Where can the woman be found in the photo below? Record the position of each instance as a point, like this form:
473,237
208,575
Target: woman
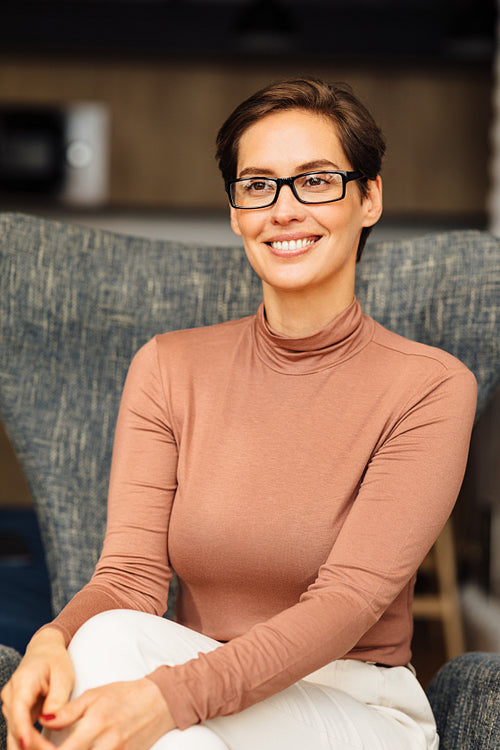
293,467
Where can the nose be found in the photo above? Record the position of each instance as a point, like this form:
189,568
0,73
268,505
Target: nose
287,208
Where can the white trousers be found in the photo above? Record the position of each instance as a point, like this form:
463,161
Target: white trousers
346,705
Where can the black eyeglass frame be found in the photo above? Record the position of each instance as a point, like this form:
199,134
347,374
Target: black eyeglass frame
290,181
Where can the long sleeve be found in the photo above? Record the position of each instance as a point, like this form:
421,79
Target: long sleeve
133,571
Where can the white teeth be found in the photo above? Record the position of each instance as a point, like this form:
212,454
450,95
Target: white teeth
292,244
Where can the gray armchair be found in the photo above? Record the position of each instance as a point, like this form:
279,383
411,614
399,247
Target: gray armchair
465,697
75,305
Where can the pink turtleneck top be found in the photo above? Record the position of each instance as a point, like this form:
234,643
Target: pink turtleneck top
294,485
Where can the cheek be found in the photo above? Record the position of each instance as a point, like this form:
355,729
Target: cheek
343,216
234,221
247,225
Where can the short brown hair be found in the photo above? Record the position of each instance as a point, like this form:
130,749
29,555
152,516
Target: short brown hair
360,137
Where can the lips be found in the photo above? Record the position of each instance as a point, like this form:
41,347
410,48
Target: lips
292,244
292,247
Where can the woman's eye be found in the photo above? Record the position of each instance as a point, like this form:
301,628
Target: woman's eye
314,181
258,186
321,181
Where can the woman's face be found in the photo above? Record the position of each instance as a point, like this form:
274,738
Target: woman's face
325,236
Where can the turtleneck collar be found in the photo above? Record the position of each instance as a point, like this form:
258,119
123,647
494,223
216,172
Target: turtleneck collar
339,340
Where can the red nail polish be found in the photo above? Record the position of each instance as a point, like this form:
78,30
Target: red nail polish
47,717
21,743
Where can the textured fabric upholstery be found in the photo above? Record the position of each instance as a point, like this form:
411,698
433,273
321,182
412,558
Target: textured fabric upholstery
76,303
465,698
75,306
9,659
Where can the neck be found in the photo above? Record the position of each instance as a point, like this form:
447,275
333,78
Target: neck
301,315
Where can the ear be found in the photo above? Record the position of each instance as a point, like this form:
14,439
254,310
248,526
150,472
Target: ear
235,225
373,202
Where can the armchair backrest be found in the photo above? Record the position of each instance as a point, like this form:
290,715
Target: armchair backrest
76,303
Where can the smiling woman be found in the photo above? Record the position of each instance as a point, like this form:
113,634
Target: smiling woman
293,467
360,137
303,245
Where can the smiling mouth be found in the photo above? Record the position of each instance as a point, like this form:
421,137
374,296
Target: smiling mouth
293,246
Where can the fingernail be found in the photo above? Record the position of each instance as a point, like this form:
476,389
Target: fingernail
21,743
47,717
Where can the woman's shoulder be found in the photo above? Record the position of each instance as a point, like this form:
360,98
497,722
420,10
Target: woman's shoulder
219,333
177,353
194,345
417,372
415,353
417,369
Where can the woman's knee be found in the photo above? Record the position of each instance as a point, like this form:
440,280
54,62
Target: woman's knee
197,737
107,649
103,631
126,644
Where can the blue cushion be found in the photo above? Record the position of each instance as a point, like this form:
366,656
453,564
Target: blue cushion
24,581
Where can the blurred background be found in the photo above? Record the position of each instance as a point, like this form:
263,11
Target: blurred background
108,115
127,93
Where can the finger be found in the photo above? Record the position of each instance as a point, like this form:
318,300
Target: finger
61,685
90,720
83,735
68,714
33,741
38,742
6,697
19,712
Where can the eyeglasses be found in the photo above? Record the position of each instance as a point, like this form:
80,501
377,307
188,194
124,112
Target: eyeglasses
309,187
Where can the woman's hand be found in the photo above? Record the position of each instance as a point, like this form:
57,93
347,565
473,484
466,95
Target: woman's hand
40,685
119,716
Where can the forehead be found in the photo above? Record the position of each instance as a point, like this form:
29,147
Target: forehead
283,140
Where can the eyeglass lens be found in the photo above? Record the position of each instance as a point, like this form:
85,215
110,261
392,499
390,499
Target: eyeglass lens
313,187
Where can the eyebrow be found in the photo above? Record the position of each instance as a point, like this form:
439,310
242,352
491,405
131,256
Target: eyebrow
310,166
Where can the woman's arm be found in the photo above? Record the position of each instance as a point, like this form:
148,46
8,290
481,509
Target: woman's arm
133,571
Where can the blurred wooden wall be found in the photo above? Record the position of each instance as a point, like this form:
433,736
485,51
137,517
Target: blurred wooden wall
164,117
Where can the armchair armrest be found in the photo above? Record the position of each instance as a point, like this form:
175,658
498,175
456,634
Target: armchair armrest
465,698
9,659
